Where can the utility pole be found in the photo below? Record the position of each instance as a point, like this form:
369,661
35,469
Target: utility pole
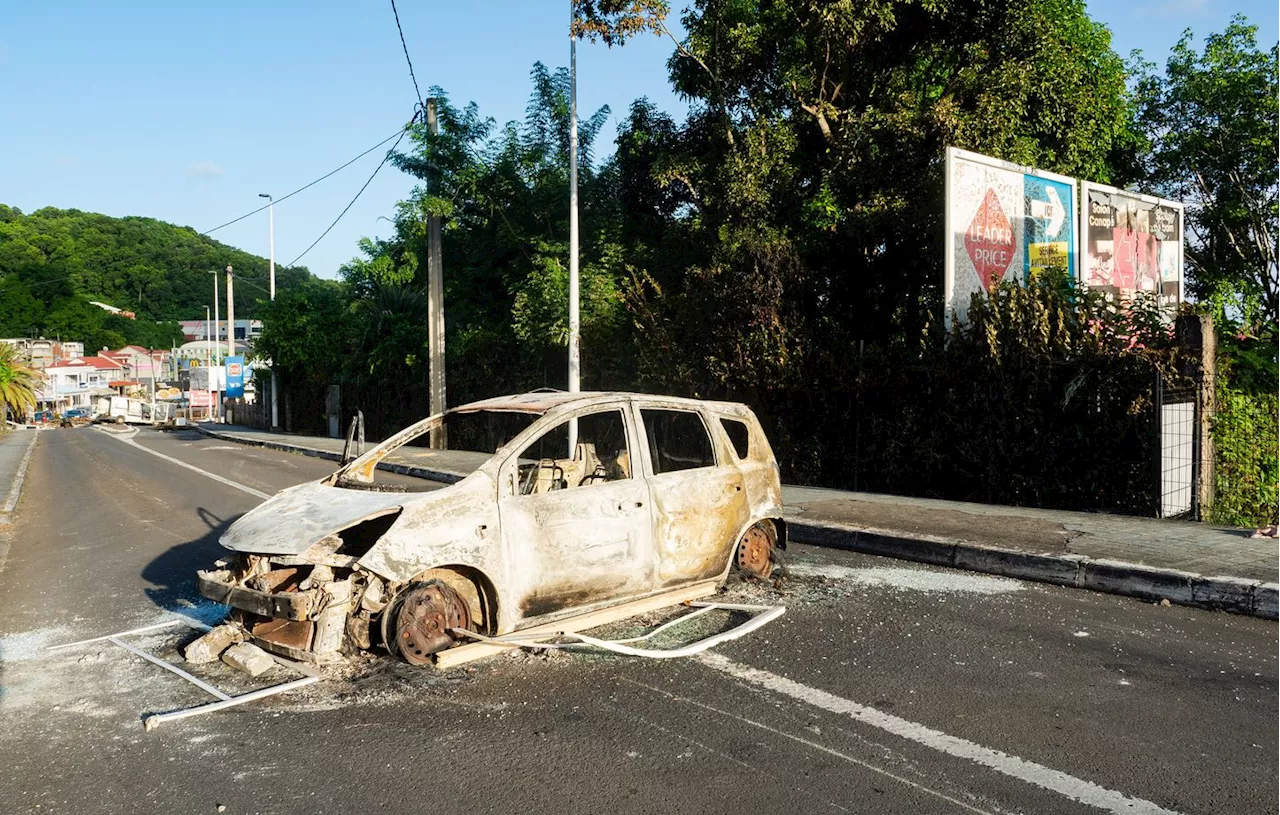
435,293
574,327
231,323
271,238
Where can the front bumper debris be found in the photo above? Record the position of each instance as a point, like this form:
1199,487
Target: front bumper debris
300,611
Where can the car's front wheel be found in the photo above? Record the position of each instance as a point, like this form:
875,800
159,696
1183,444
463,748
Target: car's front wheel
419,623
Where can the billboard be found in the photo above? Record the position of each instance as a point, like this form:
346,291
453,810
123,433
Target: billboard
235,377
1130,243
208,379
1003,222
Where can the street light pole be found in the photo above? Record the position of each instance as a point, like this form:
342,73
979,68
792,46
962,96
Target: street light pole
217,315
271,237
217,327
208,362
271,241
574,327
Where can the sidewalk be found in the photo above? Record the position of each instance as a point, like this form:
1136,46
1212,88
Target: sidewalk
1180,561
15,453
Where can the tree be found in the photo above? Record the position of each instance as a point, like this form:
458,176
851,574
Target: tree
1212,121
17,383
155,269
809,173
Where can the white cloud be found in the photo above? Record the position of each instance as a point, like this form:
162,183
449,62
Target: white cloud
205,171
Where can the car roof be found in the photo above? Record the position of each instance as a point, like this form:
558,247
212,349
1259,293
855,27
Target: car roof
540,401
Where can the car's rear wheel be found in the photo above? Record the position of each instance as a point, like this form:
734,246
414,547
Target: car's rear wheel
757,555
422,619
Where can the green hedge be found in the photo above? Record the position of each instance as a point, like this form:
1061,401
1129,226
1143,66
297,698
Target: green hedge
1246,468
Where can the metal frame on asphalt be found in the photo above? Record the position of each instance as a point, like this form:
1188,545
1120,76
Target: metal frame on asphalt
224,700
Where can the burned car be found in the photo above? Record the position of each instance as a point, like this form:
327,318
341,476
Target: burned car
560,504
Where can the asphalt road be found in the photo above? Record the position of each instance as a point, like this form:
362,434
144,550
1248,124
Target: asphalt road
886,687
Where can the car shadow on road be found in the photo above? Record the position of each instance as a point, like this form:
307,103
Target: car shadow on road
172,575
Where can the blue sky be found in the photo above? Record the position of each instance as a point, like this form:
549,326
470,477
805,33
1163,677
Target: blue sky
186,111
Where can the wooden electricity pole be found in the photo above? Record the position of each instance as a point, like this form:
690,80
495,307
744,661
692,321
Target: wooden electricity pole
435,289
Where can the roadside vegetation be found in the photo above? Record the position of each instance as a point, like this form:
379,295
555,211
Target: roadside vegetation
17,386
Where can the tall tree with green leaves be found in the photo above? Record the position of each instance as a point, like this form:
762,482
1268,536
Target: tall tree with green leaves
1213,122
18,384
809,172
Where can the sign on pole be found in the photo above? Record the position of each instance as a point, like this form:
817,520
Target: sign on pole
235,377
1131,243
1003,222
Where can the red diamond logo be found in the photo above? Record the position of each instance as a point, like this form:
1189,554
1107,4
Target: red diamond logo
989,241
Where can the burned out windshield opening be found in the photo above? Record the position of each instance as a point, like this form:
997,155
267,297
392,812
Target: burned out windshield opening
463,442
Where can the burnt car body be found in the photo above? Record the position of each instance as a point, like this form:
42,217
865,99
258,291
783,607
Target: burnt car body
562,503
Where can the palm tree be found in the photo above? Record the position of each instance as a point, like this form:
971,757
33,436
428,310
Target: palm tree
17,383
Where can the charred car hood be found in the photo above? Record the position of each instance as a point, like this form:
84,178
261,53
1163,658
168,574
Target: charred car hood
291,521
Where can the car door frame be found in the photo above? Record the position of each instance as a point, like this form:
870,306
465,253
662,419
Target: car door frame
524,572
709,557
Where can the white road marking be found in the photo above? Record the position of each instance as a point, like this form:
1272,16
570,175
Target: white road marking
1085,792
753,768
814,745
127,438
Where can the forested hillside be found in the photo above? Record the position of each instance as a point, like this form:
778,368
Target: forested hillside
53,262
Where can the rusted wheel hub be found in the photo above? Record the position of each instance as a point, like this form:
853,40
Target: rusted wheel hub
425,617
755,553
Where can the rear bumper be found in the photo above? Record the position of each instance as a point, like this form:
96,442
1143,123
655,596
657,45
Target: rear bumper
306,625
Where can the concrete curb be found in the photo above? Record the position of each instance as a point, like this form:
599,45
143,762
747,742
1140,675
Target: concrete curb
443,476
1224,593
15,486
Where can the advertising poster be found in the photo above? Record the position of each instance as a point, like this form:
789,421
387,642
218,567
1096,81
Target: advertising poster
1003,222
235,377
1131,243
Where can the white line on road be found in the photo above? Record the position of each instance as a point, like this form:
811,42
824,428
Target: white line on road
811,744
1086,792
127,438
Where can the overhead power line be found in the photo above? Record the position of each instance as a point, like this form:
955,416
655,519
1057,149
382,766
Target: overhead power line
416,91
395,135
359,192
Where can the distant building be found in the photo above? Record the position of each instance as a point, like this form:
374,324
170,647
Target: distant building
40,353
214,351
73,383
140,363
246,330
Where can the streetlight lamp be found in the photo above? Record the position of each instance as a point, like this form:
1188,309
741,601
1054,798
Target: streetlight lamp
271,237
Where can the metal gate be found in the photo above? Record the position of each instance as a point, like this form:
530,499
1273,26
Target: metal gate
1177,451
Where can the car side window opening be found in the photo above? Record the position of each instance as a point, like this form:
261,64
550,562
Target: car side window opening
600,455
739,435
678,440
